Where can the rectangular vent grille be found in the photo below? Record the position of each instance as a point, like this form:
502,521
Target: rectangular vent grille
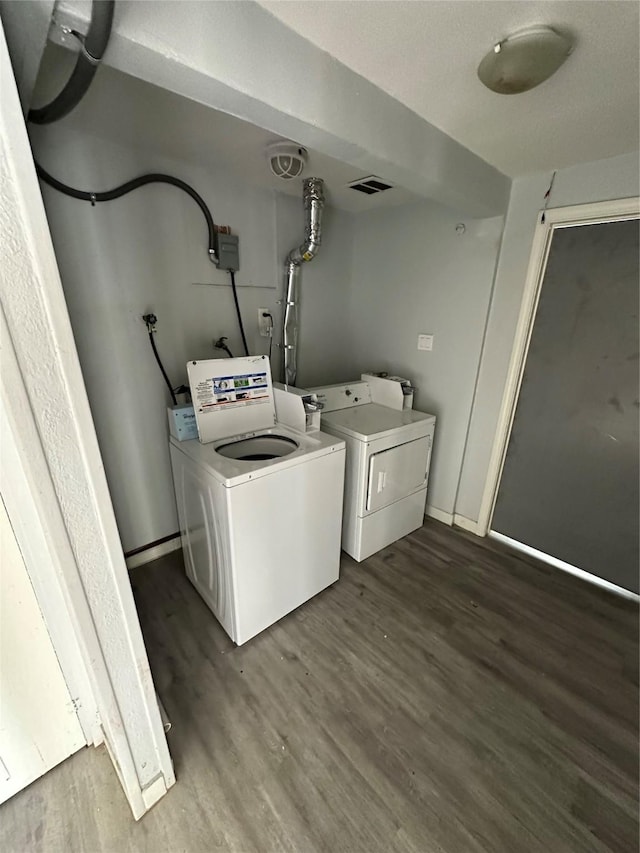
370,185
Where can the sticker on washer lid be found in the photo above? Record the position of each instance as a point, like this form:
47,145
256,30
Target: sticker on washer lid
231,392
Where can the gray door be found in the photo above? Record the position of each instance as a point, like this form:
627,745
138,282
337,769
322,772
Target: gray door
570,481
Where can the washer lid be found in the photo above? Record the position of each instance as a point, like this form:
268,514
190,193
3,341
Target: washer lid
231,396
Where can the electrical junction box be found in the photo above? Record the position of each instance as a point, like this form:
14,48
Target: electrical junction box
182,422
227,248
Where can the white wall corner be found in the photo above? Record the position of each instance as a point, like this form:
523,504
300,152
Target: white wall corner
468,524
439,515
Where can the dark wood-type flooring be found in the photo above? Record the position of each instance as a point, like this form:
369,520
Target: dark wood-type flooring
445,696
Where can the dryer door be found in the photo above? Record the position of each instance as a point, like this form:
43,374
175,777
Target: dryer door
397,472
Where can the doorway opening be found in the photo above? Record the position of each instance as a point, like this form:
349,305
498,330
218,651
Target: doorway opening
565,424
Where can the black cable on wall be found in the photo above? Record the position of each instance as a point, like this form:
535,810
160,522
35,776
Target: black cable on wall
237,304
129,186
94,45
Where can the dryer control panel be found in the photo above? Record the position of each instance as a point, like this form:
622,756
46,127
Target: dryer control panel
344,395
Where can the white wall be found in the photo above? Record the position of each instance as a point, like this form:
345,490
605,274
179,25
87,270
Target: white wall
26,27
617,177
145,252
413,273
379,279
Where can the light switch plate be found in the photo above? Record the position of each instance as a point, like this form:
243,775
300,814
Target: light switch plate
425,342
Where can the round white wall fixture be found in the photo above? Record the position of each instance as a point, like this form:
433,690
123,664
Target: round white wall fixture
286,159
523,60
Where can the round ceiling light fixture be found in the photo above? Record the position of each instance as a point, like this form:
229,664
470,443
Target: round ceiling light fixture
523,60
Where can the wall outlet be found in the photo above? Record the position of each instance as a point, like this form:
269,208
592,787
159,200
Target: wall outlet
425,342
265,322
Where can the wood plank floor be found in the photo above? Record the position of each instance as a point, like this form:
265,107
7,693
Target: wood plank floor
445,696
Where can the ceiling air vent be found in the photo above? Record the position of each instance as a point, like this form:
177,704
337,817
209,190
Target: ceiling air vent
370,185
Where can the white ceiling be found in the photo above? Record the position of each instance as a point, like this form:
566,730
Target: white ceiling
128,111
425,54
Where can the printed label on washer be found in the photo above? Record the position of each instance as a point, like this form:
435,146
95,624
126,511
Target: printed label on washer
231,392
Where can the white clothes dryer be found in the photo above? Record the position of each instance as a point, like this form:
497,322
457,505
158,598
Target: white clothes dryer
388,459
259,504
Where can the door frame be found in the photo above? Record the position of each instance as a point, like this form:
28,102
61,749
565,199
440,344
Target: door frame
45,400
548,221
36,526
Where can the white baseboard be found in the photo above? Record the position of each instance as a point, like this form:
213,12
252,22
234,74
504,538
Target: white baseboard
154,792
453,519
439,514
153,553
565,567
466,524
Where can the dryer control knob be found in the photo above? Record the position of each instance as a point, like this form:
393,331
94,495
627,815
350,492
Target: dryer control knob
348,393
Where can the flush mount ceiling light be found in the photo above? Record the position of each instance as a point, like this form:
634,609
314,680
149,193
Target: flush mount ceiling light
523,60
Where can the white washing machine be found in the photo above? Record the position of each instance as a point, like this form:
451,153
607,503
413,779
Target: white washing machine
259,503
388,458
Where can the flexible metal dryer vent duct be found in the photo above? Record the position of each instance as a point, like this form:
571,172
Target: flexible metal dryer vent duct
313,197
